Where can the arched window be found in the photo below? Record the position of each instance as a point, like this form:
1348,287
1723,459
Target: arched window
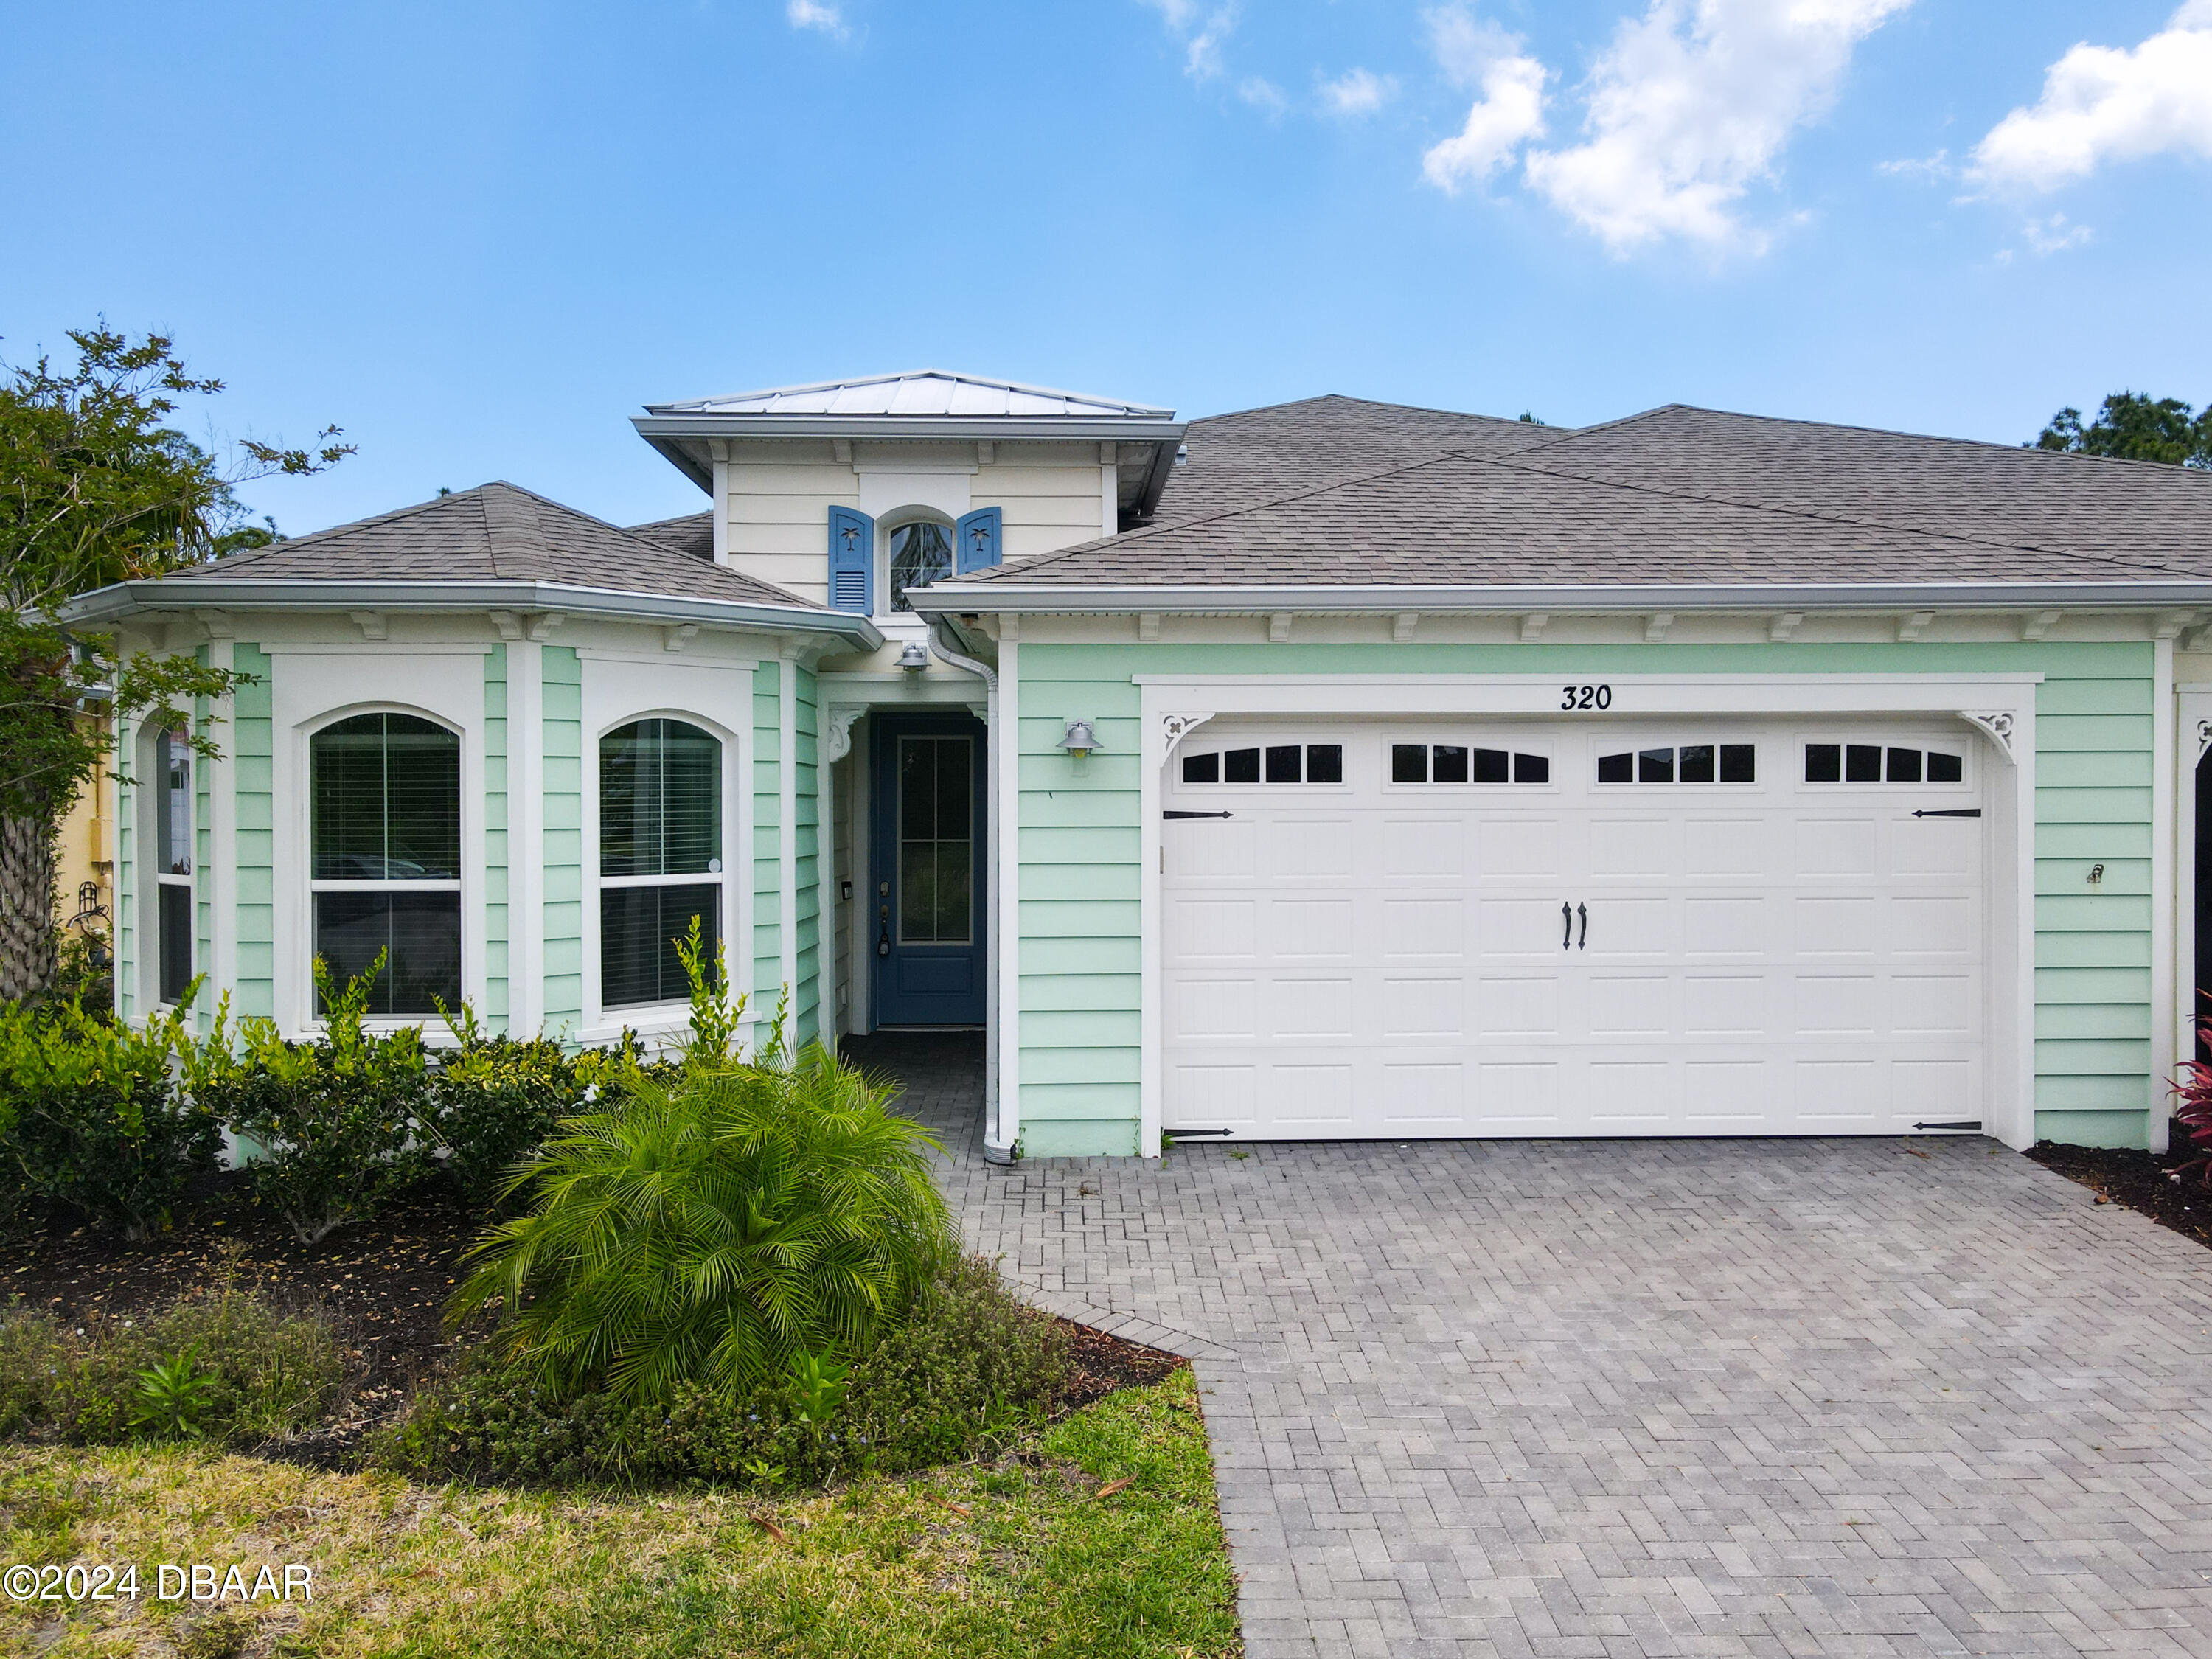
386,871
173,865
660,832
921,552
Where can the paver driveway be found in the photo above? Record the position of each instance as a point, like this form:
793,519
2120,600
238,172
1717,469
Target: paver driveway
1659,1397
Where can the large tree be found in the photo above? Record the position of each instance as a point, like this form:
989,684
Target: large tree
2135,427
96,487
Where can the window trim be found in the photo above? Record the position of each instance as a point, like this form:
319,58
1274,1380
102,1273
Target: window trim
147,851
676,1011
1601,747
887,529
601,1021
1963,751
1545,749
457,883
1303,789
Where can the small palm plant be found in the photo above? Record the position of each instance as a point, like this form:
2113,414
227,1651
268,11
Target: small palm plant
173,1396
714,1226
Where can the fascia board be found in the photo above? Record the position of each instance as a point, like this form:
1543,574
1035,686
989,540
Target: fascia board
1200,598
1126,428
130,598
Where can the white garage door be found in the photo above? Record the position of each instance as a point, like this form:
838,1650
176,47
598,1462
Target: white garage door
1632,928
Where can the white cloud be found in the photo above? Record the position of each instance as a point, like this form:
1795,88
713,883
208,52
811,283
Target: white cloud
1691,105
2104,104
1262,93
1510,112
2054,234
1924,167
821,14
1201,28
1357,92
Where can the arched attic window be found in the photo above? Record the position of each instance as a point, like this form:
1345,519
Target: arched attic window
921,553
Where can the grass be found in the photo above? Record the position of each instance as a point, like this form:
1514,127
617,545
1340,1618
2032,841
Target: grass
1043,1552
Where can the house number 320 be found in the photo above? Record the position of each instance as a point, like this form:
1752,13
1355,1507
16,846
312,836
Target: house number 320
1585,696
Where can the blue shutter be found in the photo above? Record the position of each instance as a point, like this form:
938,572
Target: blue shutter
975,540
851,561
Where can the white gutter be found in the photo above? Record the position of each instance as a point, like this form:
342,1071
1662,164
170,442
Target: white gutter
998,1147
244,593
1198,598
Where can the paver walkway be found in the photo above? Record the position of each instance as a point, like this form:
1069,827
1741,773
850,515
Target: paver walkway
1608,1398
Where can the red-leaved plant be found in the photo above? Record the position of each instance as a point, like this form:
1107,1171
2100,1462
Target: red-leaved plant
2192,1093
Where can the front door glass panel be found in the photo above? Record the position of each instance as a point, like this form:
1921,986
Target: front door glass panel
936,840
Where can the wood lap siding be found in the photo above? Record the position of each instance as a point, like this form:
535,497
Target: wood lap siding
253,735
2094,1066
767,944
807,1021
1080,850
564,726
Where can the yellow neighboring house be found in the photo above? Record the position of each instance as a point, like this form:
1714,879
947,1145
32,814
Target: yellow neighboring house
84,855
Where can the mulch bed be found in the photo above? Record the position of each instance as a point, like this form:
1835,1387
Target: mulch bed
2139,1180
382,1283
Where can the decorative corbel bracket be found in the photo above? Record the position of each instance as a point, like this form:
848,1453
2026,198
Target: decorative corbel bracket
837,734
1148,626
2039,624
217,623
543,624
1278,627
677,636
508,623
371,624
2203,737
1913,625
1533,626
1655,627
1176,727
1403,624
1996,725
1786,626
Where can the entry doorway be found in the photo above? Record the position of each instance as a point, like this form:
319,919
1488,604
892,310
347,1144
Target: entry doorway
927,870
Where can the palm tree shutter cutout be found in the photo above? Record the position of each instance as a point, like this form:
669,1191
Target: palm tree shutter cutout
975,540
851,561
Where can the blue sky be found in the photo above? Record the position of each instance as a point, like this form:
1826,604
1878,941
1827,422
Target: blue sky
478,237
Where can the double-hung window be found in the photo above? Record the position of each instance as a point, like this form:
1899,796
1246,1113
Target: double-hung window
386,874
173,868
660,857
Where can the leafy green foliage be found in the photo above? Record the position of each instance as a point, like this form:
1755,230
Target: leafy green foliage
95,488
965,1367
226,1366
332,1122
173,1396
91,1115
709,1229
2134,425
494,1100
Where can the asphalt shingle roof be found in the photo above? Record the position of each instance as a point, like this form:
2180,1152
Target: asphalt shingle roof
495,533
1258,455
1682,496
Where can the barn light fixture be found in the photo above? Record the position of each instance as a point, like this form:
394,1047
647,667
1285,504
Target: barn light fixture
1079,740
915,657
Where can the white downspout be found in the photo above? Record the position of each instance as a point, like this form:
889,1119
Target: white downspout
998,1148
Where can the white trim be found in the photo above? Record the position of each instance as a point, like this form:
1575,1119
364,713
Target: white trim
860,1017
786,840
221,892
2008,1112
446,688
721,495
2164,967
825,877
616,692
525,837
2194,713
1109,498
1126,598
1006,940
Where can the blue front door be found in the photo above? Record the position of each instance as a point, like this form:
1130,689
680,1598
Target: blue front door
926,869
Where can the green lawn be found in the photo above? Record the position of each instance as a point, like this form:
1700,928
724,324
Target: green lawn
1039,1553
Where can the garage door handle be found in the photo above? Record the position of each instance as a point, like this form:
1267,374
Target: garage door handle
1197,815
1950,812
1566,925
1582,910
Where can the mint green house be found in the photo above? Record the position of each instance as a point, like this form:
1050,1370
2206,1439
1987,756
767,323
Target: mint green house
1332,770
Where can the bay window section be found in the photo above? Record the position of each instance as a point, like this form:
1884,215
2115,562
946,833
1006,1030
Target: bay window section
385,872
173,868
660,857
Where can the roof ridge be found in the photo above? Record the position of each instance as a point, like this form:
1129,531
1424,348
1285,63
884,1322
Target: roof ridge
293,544
1520,462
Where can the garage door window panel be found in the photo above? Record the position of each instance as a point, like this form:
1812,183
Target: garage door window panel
1463,763
1688,763
1272,763
1875,762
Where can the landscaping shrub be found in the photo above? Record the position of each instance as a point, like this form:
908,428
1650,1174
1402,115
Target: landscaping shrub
964,1363
494,1100
91,1115
707,1225
225,1367
332,1123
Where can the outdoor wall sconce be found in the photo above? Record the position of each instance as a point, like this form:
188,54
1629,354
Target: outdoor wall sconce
1079,740
915,657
